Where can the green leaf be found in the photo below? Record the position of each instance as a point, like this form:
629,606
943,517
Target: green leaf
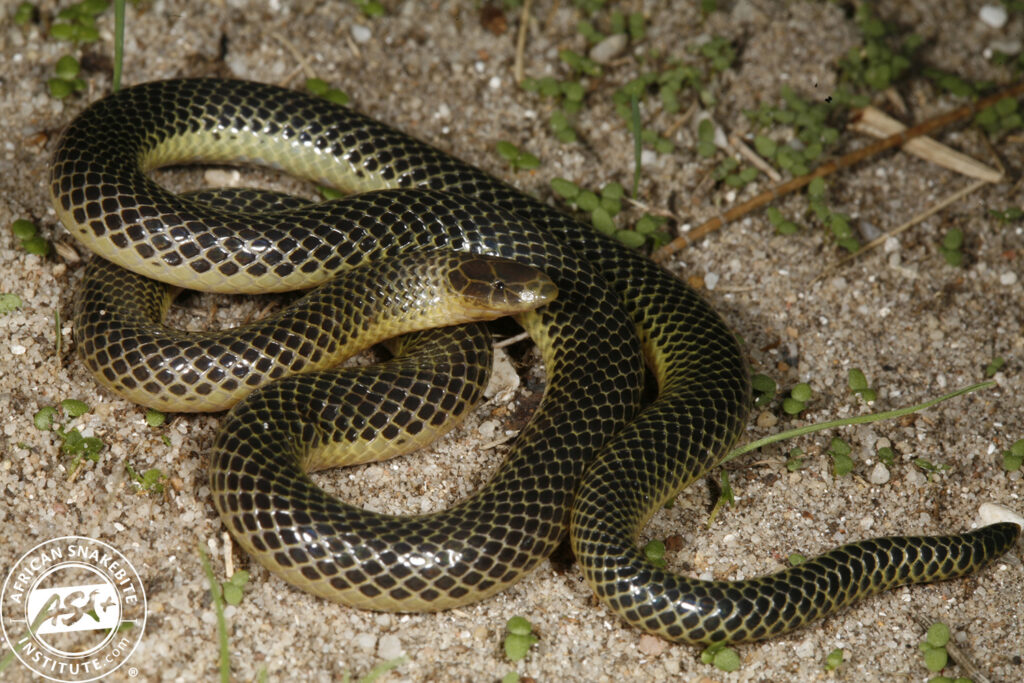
602,221
630,238
587,201
74,408
36,245
727,660
792,406
954,239
834,659
765,146
67,67
565,188
994,366
232,594
43,419
763,384
24,229
526,161
841,464
795,559
801,392
654,551
936,659
518,626
938,635
507,150
9,303
856,380
886,456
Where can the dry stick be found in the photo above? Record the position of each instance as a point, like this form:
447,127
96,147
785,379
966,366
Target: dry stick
831,167
524,21
930,211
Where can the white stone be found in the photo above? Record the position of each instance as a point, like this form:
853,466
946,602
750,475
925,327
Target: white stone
609,48
1008,278
879,474
993,15
360,33
389,647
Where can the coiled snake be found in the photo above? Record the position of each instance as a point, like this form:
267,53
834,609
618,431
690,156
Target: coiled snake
587,461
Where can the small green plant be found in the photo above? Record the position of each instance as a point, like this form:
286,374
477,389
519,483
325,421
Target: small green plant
24,13
886,456
796,558
371,8
518,159
79,447
858,384
77,23
930,467
721,657
797,400
28,233
1001,118
834,659
842,463
654,551
519,638
994,366
934,647
1009,215
320,88
764,389
795,461
1014,456
783,226
150,481
951,246
9,303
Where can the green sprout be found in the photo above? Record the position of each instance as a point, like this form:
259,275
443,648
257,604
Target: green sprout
842,463
721,657
518,159
519,638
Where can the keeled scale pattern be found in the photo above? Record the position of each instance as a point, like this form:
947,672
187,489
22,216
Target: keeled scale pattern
473,550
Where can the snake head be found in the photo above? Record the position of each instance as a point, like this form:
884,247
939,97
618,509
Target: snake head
487,283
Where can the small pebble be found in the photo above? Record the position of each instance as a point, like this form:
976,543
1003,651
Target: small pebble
390,647
365,641
1008,278
879,474
609,48
993,15
651,646
711,280
360,34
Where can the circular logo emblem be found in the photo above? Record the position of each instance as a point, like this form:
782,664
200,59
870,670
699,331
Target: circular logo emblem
73,609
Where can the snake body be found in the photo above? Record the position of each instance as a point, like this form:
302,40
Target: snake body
585,448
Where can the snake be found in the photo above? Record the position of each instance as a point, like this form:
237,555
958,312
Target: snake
597,458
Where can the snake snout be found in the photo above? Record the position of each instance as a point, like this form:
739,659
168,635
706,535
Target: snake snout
496,284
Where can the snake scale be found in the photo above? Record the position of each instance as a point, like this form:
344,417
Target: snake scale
588,461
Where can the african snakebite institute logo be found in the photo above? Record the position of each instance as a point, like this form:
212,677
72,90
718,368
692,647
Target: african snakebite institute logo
73,608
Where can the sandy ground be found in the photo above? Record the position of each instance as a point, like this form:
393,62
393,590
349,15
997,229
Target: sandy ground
914,325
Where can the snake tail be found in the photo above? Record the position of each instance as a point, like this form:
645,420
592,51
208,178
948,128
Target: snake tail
683,609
